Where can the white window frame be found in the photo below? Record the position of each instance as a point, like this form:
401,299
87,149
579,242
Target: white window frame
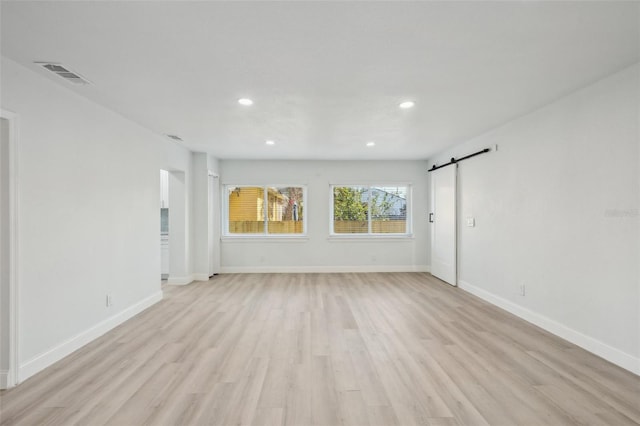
265,234
369,234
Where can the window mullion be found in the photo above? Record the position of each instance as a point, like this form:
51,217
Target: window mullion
265,212
369,209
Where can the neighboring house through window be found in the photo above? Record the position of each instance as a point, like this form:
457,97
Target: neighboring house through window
370,210
265,210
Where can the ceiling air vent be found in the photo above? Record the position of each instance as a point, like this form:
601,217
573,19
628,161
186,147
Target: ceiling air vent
175,138
64,72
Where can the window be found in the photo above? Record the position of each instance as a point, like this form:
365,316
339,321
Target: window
370,210
265,210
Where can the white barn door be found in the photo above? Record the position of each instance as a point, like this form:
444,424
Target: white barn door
443,224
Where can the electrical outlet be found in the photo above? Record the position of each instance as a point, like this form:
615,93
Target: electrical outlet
522,290
109,300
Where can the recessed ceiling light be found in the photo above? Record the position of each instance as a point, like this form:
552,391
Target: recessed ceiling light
407,104
270,142
245,101
370,144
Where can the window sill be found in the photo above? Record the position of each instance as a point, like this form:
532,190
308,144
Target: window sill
367,238
264,239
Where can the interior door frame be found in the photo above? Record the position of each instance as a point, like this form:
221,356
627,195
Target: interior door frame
12,376
213,237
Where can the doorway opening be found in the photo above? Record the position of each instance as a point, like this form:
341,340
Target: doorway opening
178,229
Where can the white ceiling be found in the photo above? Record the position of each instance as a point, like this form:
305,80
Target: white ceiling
326,77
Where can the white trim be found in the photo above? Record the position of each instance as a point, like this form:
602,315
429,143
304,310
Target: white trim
12,376
225,234
200,277
55,354
368,238
368,235
180,280
611,354
259,238
372,183
5,379
321,269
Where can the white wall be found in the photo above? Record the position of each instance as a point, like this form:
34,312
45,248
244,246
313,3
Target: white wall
215,218
88,215
200,216
556,209
319,252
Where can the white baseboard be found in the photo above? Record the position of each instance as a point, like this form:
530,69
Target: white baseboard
55,354
180,280
611,354
321,269
201,277
5,379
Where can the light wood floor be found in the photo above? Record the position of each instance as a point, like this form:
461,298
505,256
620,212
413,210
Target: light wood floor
326,349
